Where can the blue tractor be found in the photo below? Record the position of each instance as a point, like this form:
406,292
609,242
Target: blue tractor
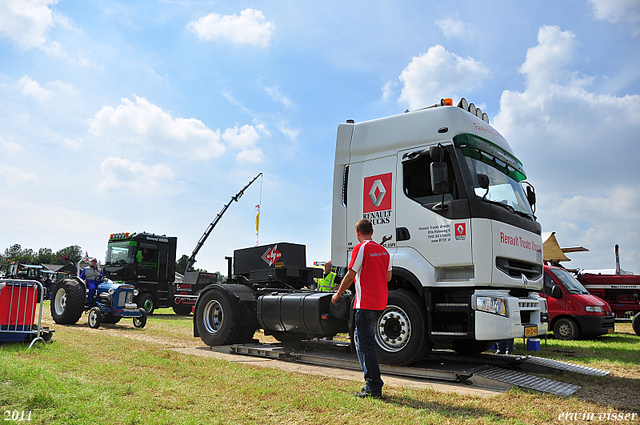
112,302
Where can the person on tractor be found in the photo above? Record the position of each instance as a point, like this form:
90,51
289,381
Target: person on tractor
92,275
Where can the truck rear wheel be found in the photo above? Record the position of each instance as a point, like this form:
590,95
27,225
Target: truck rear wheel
67,301
215,320
636,324
566,329
401,331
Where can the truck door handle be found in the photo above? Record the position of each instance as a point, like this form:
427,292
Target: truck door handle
402,234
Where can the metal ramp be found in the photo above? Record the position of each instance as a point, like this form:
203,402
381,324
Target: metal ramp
490,376
486,370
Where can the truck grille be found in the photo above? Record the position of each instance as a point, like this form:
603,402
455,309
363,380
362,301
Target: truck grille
122,299
516,269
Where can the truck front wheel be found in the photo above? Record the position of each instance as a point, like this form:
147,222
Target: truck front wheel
401,331
67,301
566,329
216,320
146,301
636,324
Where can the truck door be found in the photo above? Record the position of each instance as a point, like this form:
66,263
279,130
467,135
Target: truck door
557,306
436,236
370,195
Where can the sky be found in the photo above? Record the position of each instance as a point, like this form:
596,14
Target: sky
150,115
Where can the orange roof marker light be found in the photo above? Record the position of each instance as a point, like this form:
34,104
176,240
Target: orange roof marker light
446,102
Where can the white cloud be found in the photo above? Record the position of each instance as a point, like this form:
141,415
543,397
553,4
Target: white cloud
146,126
245,138
26,21
290,133
277,96
32,88
10,146
254,155
439,73
579,148
12,177
451,27
388,90
616,10
136,177
251,27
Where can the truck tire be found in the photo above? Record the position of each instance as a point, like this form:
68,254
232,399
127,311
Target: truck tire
215,320
636,324
471,347
67,301
401,331
566,329
182,310
95,318
147,302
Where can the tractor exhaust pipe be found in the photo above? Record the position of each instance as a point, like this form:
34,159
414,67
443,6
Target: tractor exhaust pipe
617,262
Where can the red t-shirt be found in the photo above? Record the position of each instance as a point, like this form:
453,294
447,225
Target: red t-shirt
371,262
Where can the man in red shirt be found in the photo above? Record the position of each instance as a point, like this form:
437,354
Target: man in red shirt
370,268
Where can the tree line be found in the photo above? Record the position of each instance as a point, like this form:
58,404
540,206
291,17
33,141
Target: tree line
63,256
42,256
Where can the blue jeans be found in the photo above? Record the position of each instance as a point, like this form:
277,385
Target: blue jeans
91,286
365,342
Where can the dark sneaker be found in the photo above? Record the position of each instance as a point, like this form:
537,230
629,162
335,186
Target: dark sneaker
367,394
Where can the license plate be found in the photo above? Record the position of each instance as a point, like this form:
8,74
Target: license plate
531,331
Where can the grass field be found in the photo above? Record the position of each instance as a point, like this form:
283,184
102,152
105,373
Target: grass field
122,375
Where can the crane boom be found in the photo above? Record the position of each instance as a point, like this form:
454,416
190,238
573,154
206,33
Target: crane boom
191,261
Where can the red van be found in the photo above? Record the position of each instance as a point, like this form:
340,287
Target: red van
573,312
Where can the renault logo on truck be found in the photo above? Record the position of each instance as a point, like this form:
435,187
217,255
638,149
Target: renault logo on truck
377,193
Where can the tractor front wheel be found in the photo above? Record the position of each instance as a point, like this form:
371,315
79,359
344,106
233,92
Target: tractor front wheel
95,317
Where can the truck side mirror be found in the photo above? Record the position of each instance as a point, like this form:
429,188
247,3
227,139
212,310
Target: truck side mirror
439,178
435,152
483,182
556,292
531,196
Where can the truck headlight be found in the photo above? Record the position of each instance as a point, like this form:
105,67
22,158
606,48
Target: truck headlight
594,308
111,291
135,292
544,308
493,305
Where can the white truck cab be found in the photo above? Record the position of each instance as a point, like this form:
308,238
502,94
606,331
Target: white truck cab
446,196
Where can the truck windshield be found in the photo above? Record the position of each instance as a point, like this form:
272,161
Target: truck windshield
570,283
120,253
505,173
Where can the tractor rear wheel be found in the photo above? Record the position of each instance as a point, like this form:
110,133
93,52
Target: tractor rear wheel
67,301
